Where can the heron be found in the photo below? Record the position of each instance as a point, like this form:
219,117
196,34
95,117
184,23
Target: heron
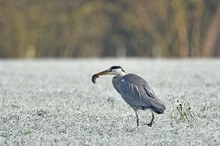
136,92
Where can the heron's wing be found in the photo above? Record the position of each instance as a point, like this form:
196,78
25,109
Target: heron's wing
131,94
137,92
156,103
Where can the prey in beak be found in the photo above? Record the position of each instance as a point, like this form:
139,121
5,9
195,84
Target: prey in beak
95,76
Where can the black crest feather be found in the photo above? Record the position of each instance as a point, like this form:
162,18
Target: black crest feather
117,67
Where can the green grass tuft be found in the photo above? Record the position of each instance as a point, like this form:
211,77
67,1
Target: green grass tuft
182,112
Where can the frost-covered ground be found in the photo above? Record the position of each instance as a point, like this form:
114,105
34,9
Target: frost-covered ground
53,102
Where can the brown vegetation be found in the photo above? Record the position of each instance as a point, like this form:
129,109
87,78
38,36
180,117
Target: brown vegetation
96,28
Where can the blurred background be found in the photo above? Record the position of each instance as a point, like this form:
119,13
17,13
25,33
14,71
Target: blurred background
109,28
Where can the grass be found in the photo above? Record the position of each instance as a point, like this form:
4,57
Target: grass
183,112
53,102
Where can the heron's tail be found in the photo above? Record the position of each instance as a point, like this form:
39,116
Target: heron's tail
157,110
158,107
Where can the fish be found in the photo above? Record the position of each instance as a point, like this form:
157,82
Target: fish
94,77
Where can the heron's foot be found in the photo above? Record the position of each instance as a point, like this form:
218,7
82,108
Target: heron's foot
149,124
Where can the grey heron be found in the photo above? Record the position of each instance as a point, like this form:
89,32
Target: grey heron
134,90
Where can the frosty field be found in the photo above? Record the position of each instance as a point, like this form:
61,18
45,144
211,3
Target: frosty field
53,102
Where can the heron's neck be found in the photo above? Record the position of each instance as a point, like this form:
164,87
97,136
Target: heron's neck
121,74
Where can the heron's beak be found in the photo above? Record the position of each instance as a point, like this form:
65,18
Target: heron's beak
95,76
105,72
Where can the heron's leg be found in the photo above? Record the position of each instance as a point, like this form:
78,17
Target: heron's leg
151,122
137,117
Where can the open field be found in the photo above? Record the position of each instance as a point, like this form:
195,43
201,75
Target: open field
53,102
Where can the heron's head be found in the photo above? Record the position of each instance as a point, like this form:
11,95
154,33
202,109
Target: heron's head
114,70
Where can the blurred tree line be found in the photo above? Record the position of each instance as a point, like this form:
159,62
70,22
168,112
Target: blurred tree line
99,28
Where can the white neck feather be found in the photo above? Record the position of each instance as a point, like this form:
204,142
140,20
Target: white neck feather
120,73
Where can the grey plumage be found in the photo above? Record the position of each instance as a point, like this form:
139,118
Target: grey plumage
138,93
135,91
